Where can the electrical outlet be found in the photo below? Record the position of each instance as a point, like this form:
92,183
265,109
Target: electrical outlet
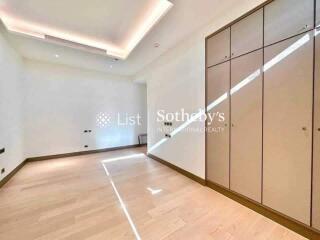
86,146
3,170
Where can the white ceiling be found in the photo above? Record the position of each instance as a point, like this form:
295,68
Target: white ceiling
102,26
185,17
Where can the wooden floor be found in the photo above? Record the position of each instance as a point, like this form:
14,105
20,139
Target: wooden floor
74,198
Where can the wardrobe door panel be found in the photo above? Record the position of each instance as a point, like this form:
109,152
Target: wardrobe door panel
287,18
288,88
218,83
318,13
316,146
247,35
218,48
246,125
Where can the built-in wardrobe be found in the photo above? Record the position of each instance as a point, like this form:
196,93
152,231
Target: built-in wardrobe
263,73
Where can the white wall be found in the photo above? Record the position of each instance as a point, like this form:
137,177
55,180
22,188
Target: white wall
11,97
177,80
62,102
44,108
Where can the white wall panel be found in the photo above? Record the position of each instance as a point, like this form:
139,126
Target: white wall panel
11,111
62,102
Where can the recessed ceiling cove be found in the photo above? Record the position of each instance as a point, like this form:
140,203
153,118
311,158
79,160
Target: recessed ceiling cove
111,27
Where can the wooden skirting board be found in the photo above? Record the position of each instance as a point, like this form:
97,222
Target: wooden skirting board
74,154
180,170
81,153
11,174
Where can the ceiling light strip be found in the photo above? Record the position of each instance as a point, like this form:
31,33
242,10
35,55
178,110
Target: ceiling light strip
17,30
75,45
162,8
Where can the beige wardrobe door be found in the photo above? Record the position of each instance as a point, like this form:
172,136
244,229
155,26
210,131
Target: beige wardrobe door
218,48
218,83
246,125
318,13
316,146
247,34
288,88
287,18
